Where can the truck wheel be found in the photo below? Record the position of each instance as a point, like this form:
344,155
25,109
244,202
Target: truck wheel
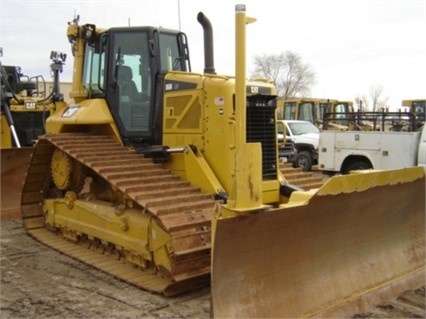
304,161
356,166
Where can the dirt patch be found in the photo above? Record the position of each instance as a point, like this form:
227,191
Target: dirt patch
39,282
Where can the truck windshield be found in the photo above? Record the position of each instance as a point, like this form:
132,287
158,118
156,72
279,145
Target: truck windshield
299,128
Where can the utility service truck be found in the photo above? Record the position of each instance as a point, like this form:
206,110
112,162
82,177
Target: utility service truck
355,150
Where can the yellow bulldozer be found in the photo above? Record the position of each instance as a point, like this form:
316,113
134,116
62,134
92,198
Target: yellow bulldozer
169,180
25,106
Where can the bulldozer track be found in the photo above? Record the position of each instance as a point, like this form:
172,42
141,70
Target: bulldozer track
184,211
295,176
181,209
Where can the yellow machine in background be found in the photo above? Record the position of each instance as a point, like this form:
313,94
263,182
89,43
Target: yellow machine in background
172,178
25,106
418,107
314,109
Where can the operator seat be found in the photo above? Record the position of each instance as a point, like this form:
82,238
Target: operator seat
127,85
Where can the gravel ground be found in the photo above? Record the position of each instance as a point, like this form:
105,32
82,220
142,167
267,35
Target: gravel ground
39,282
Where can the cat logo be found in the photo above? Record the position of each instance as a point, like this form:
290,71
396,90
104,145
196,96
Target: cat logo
254,90
30,105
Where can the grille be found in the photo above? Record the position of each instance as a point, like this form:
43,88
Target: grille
28,126
261,128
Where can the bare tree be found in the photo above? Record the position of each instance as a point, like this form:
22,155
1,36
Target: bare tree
290,75
374,101
379,102
362,102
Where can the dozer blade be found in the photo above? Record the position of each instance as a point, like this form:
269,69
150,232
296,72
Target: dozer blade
14,165
359,240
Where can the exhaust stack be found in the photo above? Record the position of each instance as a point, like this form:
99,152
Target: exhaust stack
208,43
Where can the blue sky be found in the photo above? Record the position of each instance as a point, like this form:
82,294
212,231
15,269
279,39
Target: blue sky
352,45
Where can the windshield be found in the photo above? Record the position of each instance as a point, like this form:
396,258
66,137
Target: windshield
93,80
299,128
419,107
306,111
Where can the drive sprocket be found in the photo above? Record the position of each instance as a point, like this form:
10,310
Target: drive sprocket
67,174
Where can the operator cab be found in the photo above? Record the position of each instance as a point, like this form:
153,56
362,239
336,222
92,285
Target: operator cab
127,67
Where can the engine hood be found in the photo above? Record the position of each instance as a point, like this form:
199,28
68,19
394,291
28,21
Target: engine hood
310,138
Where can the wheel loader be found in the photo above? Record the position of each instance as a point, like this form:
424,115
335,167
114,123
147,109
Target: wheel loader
25,106
168,179
313,110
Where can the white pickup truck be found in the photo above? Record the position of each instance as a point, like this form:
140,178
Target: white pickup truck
304,136
343,151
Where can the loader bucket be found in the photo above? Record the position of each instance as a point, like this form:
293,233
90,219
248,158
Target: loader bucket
14,165
357,241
